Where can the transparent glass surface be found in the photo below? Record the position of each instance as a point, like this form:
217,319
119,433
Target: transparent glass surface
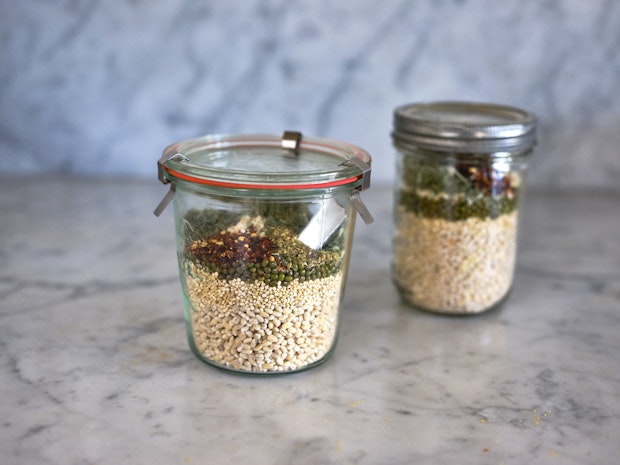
263,276
261,159
456,224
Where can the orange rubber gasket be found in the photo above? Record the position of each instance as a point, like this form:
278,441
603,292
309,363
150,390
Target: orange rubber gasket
239,185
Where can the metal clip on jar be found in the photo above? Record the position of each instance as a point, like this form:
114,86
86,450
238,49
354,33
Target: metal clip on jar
264,228
461,170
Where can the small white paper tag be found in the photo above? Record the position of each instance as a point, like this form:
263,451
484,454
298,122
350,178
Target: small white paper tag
323,224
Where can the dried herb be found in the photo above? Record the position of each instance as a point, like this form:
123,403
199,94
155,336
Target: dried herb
457,191
456,208
264,248
486,180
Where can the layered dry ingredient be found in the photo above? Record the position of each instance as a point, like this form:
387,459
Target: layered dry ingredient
455,241
259,299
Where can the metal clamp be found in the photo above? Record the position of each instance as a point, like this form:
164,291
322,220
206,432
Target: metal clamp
355,197
162,161
291,141
165,201
366,170
162,178
360,207
364,167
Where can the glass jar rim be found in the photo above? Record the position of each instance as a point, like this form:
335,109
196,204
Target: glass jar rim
264,161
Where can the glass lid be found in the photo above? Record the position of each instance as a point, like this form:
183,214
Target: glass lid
265,162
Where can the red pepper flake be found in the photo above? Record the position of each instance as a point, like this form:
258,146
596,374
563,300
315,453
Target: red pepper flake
486,179
230,248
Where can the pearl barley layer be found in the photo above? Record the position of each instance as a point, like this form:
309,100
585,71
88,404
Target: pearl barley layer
455,266
251,326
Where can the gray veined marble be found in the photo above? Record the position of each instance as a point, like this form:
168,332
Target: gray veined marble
102,86
95,367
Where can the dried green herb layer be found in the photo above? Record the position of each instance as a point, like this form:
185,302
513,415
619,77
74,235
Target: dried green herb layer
457,208
458,191
199,224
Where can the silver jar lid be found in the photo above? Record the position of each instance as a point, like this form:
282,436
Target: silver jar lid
464,127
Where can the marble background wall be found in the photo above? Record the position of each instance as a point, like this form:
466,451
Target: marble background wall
101,86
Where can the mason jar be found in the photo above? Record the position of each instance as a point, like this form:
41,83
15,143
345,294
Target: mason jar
461,171
264,227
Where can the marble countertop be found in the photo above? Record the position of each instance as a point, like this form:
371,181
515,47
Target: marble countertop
96,367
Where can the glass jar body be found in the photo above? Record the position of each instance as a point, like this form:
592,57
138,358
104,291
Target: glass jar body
257,299
456,223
